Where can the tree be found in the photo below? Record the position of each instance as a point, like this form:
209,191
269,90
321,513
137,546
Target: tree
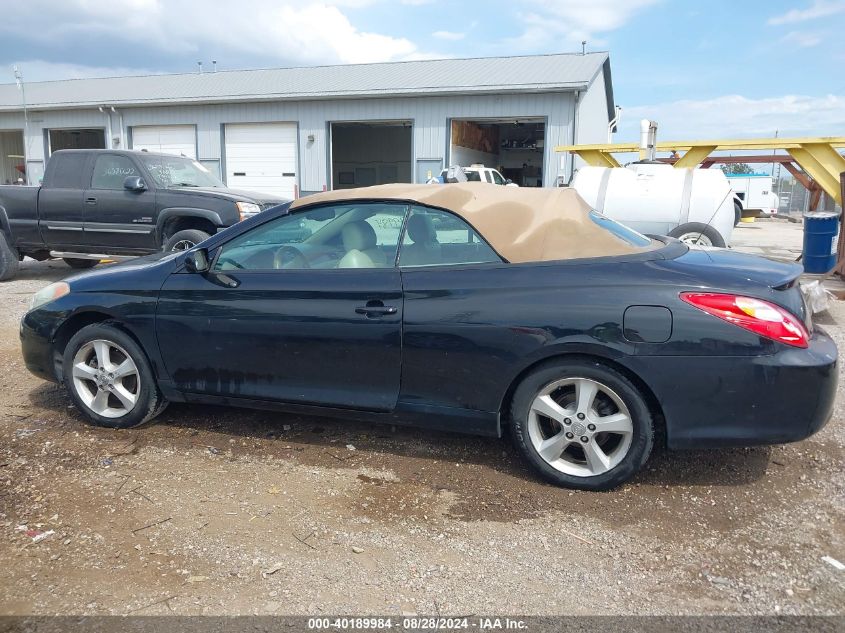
737,168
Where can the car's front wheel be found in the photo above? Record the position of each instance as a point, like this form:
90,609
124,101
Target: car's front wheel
109,378
582,424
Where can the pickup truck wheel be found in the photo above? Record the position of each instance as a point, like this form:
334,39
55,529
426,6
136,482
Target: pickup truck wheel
80,263
185,240
8,259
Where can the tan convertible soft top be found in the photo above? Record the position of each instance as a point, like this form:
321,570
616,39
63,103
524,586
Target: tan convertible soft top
522,224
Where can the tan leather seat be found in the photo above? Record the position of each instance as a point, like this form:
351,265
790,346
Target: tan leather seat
362,251
426,249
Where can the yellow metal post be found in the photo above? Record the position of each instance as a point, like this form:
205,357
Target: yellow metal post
816,156
599,159
694,156
823,164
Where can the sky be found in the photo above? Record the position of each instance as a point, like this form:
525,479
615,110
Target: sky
701,68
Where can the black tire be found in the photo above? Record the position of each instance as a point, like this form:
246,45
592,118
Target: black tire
701,230
80,264
150,401
737,212
9,259
642,437
183,240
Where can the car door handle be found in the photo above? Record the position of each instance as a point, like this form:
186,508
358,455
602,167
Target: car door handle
90,200
376,308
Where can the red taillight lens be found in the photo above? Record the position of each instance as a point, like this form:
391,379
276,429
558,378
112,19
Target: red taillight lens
760,317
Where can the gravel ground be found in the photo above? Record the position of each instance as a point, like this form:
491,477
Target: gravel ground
224,511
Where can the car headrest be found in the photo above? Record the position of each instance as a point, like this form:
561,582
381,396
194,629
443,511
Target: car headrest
421,229
358,235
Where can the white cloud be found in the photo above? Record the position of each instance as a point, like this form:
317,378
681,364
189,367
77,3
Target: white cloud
802,39
737,116
818,9
451,36
289,32
39,70
546,22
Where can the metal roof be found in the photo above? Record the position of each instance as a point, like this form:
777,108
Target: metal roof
536,73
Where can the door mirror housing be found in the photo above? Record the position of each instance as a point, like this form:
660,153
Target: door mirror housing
134,183
508,181
197,261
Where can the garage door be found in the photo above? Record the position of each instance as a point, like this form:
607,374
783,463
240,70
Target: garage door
261,157
168,139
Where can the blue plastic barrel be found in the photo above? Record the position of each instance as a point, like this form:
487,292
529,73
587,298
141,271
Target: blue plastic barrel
820,231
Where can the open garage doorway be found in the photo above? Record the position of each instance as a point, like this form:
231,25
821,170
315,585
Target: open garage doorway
513,146
371,153
85,138
12,160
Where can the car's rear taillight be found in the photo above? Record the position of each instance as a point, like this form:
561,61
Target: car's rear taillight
755,315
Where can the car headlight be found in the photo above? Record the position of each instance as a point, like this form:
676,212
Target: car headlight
48,294
247,209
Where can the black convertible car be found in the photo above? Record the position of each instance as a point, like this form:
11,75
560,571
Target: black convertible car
466,307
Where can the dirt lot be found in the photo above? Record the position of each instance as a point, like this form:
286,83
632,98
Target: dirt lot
221,511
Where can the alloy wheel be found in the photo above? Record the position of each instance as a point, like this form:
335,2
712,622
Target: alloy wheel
106,378
580,427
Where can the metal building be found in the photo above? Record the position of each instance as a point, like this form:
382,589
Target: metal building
295,131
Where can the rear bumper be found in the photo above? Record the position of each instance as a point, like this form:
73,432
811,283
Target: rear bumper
736,401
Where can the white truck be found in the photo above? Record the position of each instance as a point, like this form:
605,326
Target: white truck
754,192
694,205
480,173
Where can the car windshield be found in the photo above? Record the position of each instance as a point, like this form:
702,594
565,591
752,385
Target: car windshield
177,171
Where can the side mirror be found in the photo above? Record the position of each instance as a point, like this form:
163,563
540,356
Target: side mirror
197,261
134,183
509,181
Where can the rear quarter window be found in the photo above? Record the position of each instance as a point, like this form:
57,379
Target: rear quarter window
67,171
620,230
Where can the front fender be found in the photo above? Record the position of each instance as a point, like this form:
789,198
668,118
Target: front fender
186,212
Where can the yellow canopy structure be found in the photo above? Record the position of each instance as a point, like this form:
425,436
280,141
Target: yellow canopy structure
817,156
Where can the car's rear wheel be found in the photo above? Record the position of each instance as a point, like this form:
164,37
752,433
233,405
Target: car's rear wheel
79,263
185,240
109,378
698,234
582,424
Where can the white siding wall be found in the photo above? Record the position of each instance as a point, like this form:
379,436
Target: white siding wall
430,116
592,115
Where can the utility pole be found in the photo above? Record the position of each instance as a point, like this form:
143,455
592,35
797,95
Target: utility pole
22,88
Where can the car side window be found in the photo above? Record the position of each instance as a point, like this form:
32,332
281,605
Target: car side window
497,178
440,238
337,236
110,170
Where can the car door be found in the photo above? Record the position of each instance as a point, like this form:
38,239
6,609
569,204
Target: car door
60,200
275,319
115,217
451,351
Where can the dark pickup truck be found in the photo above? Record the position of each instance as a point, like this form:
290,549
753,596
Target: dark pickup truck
96,203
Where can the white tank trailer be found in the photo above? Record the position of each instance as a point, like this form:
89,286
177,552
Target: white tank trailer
693,205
